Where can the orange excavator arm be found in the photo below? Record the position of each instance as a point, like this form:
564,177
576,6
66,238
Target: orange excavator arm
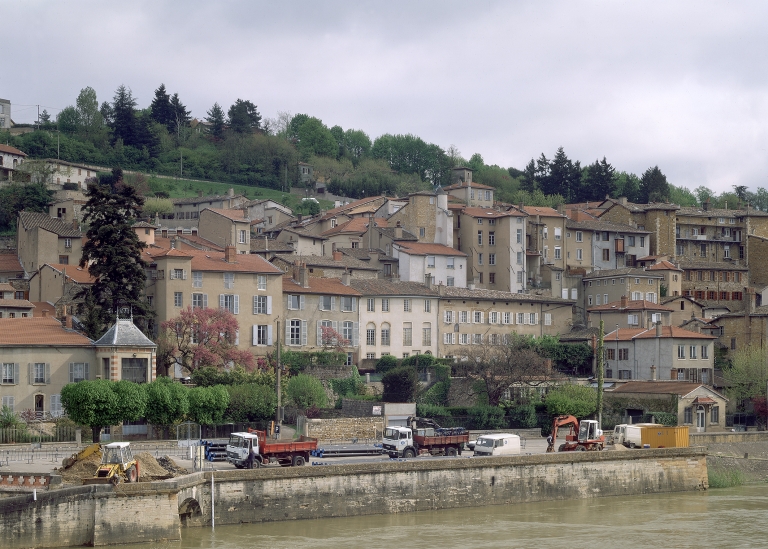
560,421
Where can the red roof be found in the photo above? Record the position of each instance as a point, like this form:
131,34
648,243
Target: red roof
628,334
542,210
38,331
203,260
663,266
357,225
325,286
9,263
11,150
425,248
73,272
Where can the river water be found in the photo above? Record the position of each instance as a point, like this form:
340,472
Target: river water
732,518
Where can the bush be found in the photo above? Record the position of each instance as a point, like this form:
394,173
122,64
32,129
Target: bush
486,417
306,391
348,386
437,395
250,402
386,363
665,418
573,400
400,384
523,416
71,186
208,404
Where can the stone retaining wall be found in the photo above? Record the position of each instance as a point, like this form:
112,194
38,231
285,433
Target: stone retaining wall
701,439
346,428
144,512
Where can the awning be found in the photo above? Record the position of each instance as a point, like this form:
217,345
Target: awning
704,400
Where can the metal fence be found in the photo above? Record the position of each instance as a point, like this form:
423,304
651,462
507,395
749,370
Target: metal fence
33,433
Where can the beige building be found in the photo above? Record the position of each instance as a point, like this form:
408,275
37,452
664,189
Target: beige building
546,250
487,317
186,211
302,241
68,206
602,287
41,239
10,267
12,305
246,285
271,213
319,266
59,284
657,218
226,227
629,314
350,234
673,277
470,193
426,216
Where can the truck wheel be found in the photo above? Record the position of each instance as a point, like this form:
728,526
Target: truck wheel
298,461
581,448
132,475
451,452
409,453
561,448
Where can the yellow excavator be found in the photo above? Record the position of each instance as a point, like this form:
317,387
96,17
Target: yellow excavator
81,455
117,465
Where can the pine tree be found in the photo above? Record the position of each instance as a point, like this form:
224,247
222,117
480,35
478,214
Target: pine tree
161,110
113,254
654,186
243,117
180,115
216,119
123,116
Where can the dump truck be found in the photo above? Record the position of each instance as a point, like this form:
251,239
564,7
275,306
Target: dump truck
117,465
254,449
423,436
582,436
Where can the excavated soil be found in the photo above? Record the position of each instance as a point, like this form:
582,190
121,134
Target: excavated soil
149,468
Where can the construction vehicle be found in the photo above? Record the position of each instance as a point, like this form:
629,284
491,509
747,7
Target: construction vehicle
86,452
117,465
253,449
583,436
423,436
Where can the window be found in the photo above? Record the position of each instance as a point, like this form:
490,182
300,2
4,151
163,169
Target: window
422,232
642,241
487,195
262,305
477,317
737,296
519,233
547,319
558,233
348,362
479,238
197,279
449,263
714,416
294,332
688,414
491,238
449,338
371,307
558,275
630,240
199,301
633,320
692,351
507,318
624,354
37,373
681,351
407,334
348,332
492,278
370,355
229,280
544,233
521,318
579,254
463,317
10,373
589,300
493,317
230,303
178,299
558,253
479,259
610,354
370,335
449,281
407,305
520,277
178,274
385,305
598,299
532,318
333,222
606,255
477,339
326,302
426,334
463,339
704,352
78,371
262,335
241,237
479,221
721,220
348,304
294,302
427,305
726,251
448,317
261,282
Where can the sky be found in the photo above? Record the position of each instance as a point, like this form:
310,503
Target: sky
679,85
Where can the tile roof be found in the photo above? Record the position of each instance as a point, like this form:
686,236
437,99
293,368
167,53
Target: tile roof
143,225
632,305
211,261
710,266
7,149
679,388
124,333
489,213
302,232
758,311
16,304
598,225
358,225
39,331
689,211
6,287
9,263
73,272
453,292
186,241
626,271
44,307
638,208
349,207
259,244
30,220
542,210
628,334
663,266
230,213
325,261
425,248
391,287
364,254
325,286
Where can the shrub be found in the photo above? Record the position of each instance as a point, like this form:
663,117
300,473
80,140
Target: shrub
574,400
348,386
386,363
250,402
306,391
400,384
523,416
486,417
208,404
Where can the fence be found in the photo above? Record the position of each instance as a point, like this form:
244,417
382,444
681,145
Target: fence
31,434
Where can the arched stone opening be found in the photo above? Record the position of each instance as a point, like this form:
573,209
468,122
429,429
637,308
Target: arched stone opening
190,513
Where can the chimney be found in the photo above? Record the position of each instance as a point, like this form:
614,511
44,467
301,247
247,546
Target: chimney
440,289
623,200
229,253
658,329
623,302
653,372
428,281
266,243
337,255
398,231
345,277
295,274
44,313
303,276
231,192
199,194
68,321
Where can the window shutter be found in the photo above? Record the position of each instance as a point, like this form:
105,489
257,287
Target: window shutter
71,372
47,373
255,334
269,304
255,303
319,333
355,334
29,373
237,337
86,375
333,302
354,304
237,304
56,405
304,332
536,319
287,332
205,300
221,301
301,302
16,378
269,334
184,274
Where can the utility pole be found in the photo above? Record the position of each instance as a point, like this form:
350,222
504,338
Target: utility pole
600,365
278,367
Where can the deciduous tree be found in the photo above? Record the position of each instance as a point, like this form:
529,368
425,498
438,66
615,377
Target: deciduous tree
167,401
747,376
306,391
207,405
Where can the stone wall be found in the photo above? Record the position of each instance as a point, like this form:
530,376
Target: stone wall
144,512
359,408
701,439
346,428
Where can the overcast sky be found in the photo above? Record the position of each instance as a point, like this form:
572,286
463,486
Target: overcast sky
681,85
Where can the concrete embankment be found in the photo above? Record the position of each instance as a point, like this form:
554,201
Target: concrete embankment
146,512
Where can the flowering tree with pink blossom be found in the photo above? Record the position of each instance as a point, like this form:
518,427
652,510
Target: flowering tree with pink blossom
202,337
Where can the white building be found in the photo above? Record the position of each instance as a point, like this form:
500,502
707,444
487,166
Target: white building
445,265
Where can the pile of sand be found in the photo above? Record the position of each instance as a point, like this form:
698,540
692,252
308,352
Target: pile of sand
85,468
149,468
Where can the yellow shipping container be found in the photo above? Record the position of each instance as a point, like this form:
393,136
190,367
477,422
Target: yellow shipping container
665,437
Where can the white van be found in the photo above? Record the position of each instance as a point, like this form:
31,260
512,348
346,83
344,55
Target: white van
502,444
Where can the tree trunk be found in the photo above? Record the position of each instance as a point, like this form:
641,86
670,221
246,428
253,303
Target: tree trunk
96,433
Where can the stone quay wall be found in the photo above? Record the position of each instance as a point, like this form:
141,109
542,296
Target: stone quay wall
145,512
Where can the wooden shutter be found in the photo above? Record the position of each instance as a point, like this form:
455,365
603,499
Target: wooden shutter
269,334
30,379
355,334
269,304
237,305
56,405
319,333
16,378
221,301
205,300
304,332
71,372
47,373
288,332
333,302
255,334
301,302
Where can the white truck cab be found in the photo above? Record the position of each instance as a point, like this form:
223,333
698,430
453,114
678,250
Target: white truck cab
499,444
239,448
397,439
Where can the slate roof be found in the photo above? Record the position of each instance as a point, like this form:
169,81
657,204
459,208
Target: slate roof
124,333
39,331
30,220
391,287
143,225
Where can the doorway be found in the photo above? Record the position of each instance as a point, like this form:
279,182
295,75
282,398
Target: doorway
700,419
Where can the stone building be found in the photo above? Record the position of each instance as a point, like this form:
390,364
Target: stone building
59,284
226,227
546,250
715,284
319,266
426,216
629,314
42,239
657,218
601,287
463,189
186,211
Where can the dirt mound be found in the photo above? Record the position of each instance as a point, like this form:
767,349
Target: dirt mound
85,468
169,465
149,468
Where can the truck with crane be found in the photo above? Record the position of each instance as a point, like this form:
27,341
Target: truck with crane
423,436
584,435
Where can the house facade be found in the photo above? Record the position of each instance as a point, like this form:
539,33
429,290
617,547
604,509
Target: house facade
41,239
445,265
226,227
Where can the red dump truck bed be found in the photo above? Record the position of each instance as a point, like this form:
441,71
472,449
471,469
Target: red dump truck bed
450,440
266,447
